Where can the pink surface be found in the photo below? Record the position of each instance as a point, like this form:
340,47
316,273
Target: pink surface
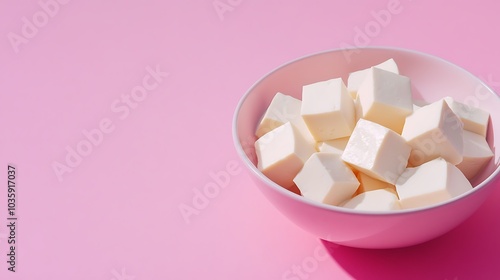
115,212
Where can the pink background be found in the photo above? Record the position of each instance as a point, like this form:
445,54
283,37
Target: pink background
116,214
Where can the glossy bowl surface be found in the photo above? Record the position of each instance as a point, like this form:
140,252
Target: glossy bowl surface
432,78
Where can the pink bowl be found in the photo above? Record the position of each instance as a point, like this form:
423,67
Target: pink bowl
432,78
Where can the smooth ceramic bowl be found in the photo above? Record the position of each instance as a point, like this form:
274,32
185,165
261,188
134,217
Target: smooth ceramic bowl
432,78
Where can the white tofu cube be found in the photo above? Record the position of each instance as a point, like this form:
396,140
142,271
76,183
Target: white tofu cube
476,154
327,179
281,153
356,78
377,151
328,110
367,183
474,119
434,131
375,200
430,183
336,146
385,98
283,108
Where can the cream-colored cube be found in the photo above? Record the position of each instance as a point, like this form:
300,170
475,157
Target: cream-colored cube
367,183
474,119
385,98
281,153
283,108
356,78
476,154
375,200
377,151
328,110
431,183
327,179
336,146
434,131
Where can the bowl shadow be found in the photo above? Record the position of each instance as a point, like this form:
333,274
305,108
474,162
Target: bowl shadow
470,251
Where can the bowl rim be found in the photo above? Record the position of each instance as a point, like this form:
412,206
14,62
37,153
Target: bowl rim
298,198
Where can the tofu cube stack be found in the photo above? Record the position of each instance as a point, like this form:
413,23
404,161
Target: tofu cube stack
367,146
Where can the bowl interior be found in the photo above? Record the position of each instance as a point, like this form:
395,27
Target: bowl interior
432,78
